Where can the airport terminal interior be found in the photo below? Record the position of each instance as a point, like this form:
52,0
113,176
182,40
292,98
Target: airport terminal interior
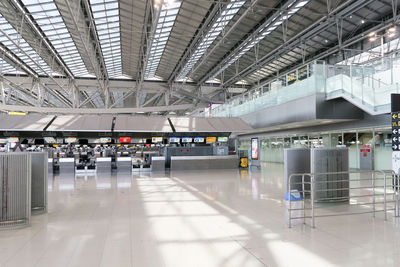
200,133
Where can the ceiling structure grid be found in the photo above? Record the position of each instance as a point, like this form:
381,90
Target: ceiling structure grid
50,21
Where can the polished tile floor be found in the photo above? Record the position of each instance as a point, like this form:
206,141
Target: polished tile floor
210,218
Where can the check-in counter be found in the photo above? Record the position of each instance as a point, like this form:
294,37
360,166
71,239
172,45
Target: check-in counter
103,164
67,165
124,164
50,165
203,162
158,164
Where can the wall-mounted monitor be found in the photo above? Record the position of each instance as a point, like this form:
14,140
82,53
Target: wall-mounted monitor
156,139
124,140
174,139
254,148
187,139
49,140
70,140
222,139
199,139
105,140
211,139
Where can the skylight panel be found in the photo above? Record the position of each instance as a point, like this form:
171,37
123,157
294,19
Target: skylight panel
49,19
106,19
230,11
293,8
165,22
7,68
10,38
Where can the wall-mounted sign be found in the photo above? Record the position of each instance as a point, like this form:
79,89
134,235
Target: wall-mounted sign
199,139
174,139
124,140
222,139
211,139
254,148
156,139
187,139
13,139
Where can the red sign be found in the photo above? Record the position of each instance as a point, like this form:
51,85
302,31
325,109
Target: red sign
365,150
123,140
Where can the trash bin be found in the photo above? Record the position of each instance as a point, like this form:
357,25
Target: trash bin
297,208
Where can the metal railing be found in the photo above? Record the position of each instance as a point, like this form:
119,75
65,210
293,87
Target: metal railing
367,186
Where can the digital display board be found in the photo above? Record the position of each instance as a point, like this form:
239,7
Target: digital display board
49,140
156,139
124,140
174,139
211,139
222,139
254,148
105,140
13,139
187,139
70,140
199,139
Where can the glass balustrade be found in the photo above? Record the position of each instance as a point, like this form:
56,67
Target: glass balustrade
368,86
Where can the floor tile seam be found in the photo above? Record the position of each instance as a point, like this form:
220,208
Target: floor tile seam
86,227
26,243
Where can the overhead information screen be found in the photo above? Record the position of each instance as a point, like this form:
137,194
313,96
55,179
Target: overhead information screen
105,140
199,139
156,139
70,140
211,139
49,140
187,139
222,139
124,140
174,139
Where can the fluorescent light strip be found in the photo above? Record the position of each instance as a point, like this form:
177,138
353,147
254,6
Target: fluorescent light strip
166,20
23,51
263,33
230,11
106,19
49,19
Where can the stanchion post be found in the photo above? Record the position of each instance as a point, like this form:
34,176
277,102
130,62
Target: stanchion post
384,196
312,201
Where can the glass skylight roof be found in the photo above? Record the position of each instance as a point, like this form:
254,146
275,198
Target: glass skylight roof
292,9
106,18
166,20
230,11
7,68
49,19
10,38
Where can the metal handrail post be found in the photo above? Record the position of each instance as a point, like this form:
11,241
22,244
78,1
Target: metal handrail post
290,202
373,194
304,197
384,196
312,202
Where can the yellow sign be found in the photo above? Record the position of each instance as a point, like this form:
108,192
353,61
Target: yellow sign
16,113
394,116
394,124
211,139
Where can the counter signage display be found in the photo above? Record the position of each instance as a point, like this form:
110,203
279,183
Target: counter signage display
187,139
70,140
156,139
49,140
222,139
199,139
174,139
211,139
138,141
105,140
124,140
254,148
